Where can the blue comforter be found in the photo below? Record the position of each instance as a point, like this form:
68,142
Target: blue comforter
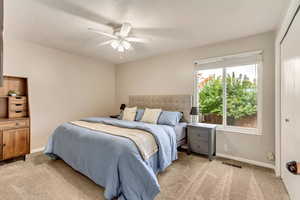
115,162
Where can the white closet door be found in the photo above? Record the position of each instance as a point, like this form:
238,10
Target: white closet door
290,58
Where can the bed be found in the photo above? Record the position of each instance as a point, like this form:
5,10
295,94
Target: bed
120,165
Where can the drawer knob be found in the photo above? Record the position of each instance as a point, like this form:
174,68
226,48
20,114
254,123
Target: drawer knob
17,123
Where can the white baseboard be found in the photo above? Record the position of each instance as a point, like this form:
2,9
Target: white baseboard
252,162
37,150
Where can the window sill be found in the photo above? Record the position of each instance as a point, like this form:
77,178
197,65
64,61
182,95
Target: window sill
240,130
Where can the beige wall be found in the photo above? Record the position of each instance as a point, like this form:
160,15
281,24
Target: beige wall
173,74
66,87
62,86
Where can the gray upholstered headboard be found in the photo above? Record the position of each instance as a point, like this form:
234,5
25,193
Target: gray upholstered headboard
181,103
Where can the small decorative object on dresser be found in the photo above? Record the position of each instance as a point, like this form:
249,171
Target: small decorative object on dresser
14,118
12,93
202,139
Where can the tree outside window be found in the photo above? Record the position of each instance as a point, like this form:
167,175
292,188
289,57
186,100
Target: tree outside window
228,96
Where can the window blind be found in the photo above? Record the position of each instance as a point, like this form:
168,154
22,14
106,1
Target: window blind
229,61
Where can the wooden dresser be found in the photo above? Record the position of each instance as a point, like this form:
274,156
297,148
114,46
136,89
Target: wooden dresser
14,119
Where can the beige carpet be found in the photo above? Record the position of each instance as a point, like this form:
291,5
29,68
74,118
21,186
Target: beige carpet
189,178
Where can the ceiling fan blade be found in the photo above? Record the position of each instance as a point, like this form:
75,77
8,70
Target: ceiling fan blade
105,43
125,29
103,33
138,40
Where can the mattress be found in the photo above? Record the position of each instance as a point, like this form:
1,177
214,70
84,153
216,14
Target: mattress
180,130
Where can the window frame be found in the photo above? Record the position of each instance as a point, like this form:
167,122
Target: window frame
227,128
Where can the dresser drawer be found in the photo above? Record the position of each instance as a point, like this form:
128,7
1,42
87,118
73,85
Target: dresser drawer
17,113
200,147
17,106
17,100
14,124
198,133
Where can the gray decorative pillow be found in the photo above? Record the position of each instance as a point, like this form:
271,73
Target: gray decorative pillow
170,118
139,114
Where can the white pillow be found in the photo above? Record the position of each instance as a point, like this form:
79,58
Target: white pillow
129,114
151,115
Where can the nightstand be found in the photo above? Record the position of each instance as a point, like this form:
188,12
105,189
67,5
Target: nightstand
114,116
202,139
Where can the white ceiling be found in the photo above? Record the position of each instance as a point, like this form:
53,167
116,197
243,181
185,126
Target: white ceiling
170,24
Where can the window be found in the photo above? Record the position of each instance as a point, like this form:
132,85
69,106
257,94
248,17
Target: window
227,92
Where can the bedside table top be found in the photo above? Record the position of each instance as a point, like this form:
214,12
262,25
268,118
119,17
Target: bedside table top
202,125
114,116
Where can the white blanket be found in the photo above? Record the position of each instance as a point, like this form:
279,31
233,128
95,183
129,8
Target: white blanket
144,140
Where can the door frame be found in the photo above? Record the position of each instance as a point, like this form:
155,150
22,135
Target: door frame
282,32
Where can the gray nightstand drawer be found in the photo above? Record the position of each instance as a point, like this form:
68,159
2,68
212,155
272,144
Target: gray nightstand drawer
200,147
195,134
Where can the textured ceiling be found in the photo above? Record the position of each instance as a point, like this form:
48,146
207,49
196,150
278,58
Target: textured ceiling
169,24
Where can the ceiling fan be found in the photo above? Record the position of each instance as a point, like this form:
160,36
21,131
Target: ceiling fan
120,39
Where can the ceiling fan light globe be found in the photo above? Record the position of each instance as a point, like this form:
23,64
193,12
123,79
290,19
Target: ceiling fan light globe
115,44
126,44
121,48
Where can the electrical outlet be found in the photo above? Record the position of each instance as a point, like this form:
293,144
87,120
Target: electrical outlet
270,156
225,147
